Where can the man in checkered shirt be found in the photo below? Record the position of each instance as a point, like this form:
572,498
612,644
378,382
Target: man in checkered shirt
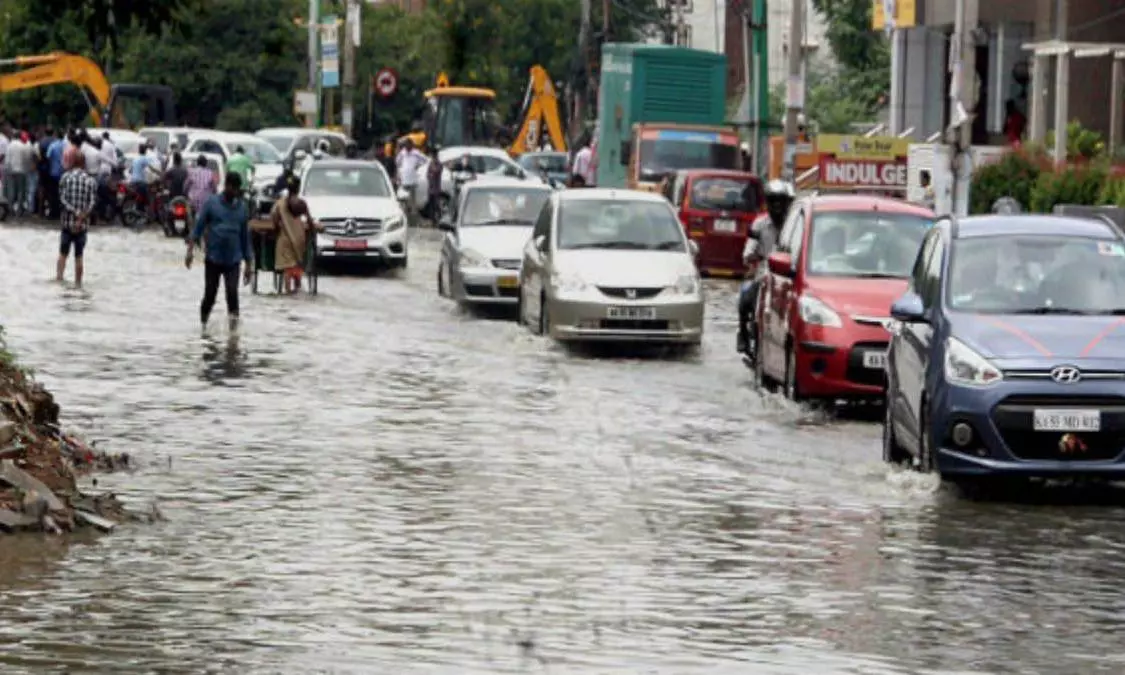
78,192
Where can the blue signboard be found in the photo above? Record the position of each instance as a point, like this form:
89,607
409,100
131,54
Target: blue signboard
690,136
329,53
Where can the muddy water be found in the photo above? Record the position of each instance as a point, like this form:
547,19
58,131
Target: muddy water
373,482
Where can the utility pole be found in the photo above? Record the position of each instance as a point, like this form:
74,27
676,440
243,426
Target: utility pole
762,112
578,122
795,89
347,94
963,101
314,57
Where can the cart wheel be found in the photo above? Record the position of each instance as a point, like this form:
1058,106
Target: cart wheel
254,281
277,279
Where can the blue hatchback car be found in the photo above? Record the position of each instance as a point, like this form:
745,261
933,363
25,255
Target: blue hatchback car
1008,351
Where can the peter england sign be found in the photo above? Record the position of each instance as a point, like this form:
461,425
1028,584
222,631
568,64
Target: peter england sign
848,162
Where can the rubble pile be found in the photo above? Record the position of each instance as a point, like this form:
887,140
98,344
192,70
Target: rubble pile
40,465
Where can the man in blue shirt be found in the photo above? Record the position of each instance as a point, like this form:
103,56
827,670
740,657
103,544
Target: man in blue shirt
225,220
54,173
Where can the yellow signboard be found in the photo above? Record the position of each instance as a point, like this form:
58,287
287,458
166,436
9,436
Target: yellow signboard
887,148
906,14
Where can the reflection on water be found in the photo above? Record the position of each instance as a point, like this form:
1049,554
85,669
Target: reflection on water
375,481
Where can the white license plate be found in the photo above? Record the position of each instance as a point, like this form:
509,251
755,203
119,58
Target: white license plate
180,223
641,313
875,360
725,225
120,198
1068,420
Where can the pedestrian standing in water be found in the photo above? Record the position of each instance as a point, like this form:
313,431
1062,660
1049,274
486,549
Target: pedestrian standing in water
78,192
225,221
293,222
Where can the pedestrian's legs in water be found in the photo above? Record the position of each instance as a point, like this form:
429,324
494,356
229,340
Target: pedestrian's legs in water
65,241
211,274
230,286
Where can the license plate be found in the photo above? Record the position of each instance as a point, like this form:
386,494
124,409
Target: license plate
508,282
875,360
120,198
351,244
1068,420
631,313
725,225
180,223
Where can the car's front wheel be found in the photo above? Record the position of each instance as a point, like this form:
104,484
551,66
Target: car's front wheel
925,462
544,317
893,452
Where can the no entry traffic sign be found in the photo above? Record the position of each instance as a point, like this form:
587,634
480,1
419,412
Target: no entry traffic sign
386,82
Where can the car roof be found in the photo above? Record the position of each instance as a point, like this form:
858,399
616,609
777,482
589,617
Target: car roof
479,150
172,130
582,194
867,203
296,131
344,163
119,133
993,225
481,182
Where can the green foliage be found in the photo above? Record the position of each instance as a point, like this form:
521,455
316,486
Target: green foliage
1081,143
1113,193
829,106
1014,175
1081,185
862,52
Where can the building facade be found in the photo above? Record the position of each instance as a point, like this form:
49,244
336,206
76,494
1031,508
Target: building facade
1006,67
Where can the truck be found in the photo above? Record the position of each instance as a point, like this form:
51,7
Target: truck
660,109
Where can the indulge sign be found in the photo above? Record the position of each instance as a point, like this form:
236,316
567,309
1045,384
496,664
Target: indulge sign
862,162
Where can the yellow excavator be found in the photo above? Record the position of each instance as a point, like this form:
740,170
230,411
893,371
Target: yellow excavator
540,112
111,106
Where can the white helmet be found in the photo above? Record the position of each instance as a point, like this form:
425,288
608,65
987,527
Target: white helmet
779,188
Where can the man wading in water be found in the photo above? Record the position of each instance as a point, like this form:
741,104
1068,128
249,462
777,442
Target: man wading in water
226,222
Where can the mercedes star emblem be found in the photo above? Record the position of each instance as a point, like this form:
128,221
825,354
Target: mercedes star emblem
1066,375
349,227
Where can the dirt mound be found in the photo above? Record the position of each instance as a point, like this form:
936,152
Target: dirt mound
40,464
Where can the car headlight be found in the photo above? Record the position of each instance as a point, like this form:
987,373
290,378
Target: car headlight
966,367
395,223
568,283
813,311
688,284
470,258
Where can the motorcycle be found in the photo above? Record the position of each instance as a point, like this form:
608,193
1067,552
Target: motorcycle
176,220
131,206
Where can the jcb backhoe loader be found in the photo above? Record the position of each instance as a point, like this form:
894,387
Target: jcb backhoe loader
108,104
540,112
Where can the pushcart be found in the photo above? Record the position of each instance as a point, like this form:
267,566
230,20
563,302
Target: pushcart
263,237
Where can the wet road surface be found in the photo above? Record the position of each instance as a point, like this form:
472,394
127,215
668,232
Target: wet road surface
371,481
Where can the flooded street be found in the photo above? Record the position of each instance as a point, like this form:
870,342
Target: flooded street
372,481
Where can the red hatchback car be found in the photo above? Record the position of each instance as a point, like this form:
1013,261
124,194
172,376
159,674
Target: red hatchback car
716,208
824,307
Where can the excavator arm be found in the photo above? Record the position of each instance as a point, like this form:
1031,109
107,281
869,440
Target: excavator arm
540,108
59,68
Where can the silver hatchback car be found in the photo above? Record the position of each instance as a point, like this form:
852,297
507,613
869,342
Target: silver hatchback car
611,265
480,256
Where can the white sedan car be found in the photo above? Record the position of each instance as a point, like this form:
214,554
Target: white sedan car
356,204
480,256
483,161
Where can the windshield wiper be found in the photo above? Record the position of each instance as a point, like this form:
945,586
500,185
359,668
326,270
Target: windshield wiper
877,275
610,244
669,246
1044,310
502,221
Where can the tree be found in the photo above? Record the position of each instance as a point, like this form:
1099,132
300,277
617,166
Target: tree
862,52
110,19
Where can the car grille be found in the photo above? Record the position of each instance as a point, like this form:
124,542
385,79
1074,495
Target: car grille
860,375
634,324
485,291
1014,419
631,293
337,227
506,263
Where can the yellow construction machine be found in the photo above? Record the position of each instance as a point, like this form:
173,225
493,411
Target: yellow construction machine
540,112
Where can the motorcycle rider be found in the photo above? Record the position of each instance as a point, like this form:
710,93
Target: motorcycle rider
762,242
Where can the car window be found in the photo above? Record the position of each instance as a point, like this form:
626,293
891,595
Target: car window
367,181
336,146
208,146
160,138
488,164
931,275
619,224
918,274
726,194
865,243
303,143
261,153
543,223
280,143
785,237
502,206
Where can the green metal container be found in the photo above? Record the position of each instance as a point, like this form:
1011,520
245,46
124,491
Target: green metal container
654,83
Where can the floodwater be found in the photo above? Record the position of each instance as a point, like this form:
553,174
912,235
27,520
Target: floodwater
371,481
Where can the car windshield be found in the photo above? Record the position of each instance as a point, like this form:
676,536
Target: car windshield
865,244
280,143
345,182
503,206
619,224
726,194
683,150
554,163
1037,274
260,153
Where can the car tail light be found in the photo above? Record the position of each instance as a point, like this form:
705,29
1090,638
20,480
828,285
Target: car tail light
179,210
121,188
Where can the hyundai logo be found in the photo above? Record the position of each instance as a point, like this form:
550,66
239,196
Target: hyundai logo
631,293
1066,375
349,227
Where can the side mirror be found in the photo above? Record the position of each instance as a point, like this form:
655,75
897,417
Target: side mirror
781,264
626,152
299,155
693,248
909,309
541,244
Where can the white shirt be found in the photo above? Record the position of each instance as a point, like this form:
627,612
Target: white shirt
582,164
92,157
3,145
412,160
20,157
107,158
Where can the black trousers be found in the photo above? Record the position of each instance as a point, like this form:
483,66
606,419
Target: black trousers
212,272
53,197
